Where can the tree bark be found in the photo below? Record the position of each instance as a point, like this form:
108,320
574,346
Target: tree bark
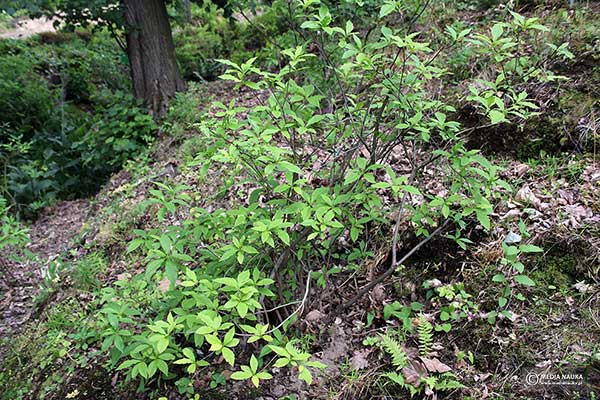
151,52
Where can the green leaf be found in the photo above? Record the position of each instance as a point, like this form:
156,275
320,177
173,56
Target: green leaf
171,273
242,309
524,280
530,248
127,364
288,166
143,369
304,374
518,266
282,362
316,364
283,235
162,344
386,10
483,219
189,353
502,301
165,243
497,116
162,366
228,356
497,31
227,282
134,244
241,375
253,363
410,189
153,266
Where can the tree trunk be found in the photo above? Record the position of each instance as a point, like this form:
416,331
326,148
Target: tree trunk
151,53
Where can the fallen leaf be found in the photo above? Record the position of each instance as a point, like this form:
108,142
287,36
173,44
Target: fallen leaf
314,315
520,169
583,287
567,195
414,372
512,238
578,211
435,365
511,214
526,195
359,360
163,285
378,294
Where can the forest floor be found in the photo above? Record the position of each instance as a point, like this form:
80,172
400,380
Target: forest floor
50,235
558,198
557,324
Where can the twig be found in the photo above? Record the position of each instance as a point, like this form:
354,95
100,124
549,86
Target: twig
383,276
298,310
291,303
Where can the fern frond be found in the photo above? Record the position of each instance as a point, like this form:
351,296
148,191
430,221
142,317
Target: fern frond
425,330
399,380
394,349
448,383
395,377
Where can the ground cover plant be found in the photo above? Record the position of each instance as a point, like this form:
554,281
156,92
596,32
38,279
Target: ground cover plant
363,205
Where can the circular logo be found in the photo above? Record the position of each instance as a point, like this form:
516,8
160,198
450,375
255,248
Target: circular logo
532,378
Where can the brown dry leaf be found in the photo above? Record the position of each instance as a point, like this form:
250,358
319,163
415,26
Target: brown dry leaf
511,214
378,294
411,352
526,195
520,169
314,315
359,360
435,365
414,372
578,211
482,377
163,285
569,196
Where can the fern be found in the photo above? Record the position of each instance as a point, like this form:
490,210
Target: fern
399,380
448,383
396,378
425,330
394,349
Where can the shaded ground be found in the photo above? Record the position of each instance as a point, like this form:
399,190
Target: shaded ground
50,234
558,326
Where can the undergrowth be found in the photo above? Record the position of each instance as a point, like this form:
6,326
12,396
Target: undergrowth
336,150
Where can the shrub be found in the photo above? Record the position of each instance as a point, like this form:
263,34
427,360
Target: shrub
197,49
121,128
317,149
26,101
66,124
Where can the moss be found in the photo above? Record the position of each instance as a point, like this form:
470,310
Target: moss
34,363
558,271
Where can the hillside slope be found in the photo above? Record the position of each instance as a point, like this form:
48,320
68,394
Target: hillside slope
266,247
